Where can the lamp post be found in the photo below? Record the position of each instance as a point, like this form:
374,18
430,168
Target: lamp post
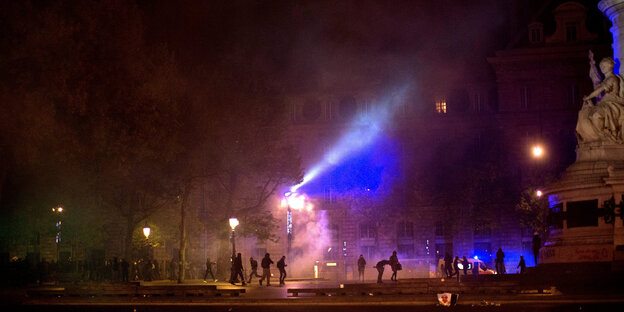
233,225
292,201
59,211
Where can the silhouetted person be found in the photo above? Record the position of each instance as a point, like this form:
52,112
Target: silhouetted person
237,266
475,268
266,269
456,266
157,275
115,269
448,265
125,266
522,265
281,265
209,270
380,269
148,270
394,265
500,261
254,269
536,244
361,266
465,264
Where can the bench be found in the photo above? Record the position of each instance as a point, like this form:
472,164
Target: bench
318,291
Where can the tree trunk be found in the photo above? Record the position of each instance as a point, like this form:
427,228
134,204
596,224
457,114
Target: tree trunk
182,255
128,239
223,259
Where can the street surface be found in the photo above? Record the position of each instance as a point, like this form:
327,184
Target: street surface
276,298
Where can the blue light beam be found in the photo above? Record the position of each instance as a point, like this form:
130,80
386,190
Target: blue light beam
364,130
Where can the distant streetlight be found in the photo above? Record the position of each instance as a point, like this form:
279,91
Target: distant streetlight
539,193
146,231
537,151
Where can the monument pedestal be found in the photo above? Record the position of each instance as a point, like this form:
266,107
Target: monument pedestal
579,232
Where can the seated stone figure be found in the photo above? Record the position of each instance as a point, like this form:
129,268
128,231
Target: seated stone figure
603,121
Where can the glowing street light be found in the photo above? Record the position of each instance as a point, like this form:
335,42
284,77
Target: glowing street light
146,231
539,193
233,223
537,151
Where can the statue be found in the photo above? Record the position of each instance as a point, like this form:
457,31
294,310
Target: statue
603,121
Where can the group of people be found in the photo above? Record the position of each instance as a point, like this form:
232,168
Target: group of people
451,266
237,270
393,262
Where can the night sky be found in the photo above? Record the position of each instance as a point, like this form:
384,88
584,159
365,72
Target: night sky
307,45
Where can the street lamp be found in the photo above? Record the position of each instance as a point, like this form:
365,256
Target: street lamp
233,225
537,151
146,231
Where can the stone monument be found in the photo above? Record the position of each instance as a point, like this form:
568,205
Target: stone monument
585,220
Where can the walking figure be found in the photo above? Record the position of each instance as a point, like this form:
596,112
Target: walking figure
500,261
266,269
209,270
522,265
536,244
124,270
380,269
361,266
456,267
448,265
237,269
465,264
254,269
394,265
281,265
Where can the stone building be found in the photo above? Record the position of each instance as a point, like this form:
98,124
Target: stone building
533,98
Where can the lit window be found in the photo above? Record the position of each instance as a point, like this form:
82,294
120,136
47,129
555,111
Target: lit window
441,107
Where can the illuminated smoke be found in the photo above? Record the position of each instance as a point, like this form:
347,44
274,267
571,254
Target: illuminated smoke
309,241
364,130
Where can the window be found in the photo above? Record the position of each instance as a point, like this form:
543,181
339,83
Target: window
555,217
311,111
536,35
442,249
328,195
334,234
406,250
525,97
440,229
571,31
368,230
440,107
347,107
477,104
482,231
368,252
405,229
536,30
582,213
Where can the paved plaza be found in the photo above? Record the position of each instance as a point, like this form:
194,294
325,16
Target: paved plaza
277,298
